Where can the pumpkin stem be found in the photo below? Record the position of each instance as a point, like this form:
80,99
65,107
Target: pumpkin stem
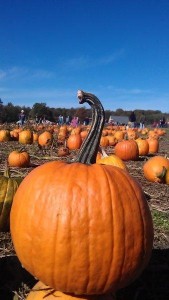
162,174
89,148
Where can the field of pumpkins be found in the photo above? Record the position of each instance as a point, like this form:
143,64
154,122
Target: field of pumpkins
70,197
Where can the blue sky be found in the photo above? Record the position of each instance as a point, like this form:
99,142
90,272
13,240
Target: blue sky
115,49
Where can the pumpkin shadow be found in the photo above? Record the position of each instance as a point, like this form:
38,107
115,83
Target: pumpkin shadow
13,277
153,282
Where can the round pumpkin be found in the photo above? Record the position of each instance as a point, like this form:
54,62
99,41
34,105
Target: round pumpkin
45,139
155,169
153,145
8,187
104,142
41,292
74,141
19,159
26,137
81,227
127,150
4,135
143,146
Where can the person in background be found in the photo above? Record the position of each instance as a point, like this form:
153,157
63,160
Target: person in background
74,122
36,119
132,119
163,122
22,117
142,120
67,120
86,121
60,120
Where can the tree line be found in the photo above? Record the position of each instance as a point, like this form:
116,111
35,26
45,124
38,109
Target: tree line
10,113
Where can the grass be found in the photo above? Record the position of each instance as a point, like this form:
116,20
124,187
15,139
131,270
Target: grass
160,220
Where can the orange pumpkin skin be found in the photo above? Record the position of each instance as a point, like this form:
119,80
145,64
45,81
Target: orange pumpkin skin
127,150
35,137
155,169
119,135
143,146
112,140
41,292
45,138
26,137
18,159
167,177
76,237
74,141
153,145
14,135
4,135
113,160
104,142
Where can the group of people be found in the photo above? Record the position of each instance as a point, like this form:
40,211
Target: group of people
132,120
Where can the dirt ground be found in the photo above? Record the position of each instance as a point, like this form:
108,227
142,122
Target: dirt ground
153,284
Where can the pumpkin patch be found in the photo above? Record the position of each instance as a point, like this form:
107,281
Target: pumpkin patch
88,209
80,219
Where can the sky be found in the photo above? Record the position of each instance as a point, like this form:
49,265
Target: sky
117,50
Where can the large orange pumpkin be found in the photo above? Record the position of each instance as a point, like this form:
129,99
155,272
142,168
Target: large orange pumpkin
80,227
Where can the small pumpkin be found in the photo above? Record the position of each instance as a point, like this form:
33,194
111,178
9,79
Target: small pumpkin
74,141
143,146
119,135
19,158
127,150
155,169
26,137
112,159
4,135
45,139
8,188
112,140
104,142
153,145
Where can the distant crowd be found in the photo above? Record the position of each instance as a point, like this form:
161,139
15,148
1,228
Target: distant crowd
74,122
60,120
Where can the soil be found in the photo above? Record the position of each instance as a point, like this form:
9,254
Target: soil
153,284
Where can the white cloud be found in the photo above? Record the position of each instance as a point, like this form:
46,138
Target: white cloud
24,73
83,62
